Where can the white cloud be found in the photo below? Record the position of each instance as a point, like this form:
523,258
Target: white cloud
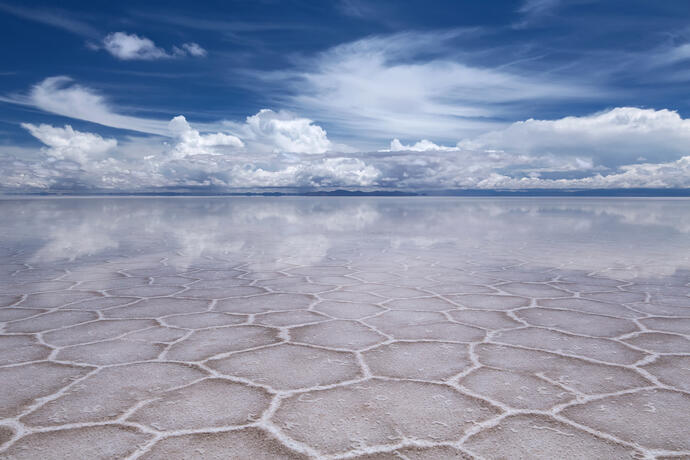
126,46
675,174
131,46
190,142
422,146
284,132
194,49
414,84
611,138
69,144
59,95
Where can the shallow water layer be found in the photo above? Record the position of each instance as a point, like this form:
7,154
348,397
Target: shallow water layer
331,327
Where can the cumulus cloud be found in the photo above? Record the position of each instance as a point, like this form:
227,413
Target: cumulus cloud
69,144
610,138
284,132
675,174
422,146
190,142
126,46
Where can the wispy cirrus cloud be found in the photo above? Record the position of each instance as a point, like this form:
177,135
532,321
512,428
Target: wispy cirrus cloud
53,17
395,85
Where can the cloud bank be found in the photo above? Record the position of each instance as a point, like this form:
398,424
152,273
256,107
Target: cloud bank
617,148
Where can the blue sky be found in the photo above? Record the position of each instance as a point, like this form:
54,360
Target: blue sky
386,94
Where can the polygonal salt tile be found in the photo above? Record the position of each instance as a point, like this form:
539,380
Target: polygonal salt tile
349,335
219,284
421,360
487,319
14,313
119,283
420,304
153,308
49,321
266,302
110,352
100,303
588,347
589,306
249,443
86,273
152,270
527,276
660,343
671,370
577,322
671,300
289,318
490,302
213,275
56,299
267,366
677,325
348,296
145,291
335,280
94,442
347,310
202,320
655,289
515,389
656,419
321,271
658,309
393,292
416,325
579,287
157,334
21,348
221,293
456,288
616,296
586,377
378,412
31,381
209,403
112,391
536,290
7,300
294,285
418,453
170,280
541,437
35,288
6,433
205,343
375,277
589,280
96,330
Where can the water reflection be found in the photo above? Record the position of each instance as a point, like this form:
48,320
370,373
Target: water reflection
628,237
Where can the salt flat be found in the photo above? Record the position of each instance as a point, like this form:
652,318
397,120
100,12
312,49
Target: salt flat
368,328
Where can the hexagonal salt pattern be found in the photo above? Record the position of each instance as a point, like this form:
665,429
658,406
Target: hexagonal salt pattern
348,349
